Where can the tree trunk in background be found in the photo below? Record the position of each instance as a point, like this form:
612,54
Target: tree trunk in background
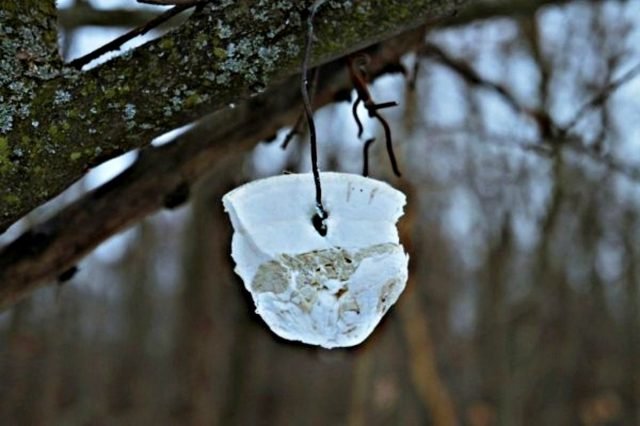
631,390
205,335
422,360
46,407
493,327
14,397
131,385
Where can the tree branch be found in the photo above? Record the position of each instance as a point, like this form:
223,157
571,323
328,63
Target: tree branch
228,51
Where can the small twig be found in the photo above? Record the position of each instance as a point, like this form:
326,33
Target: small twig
295,130
384,105
363,95
117,43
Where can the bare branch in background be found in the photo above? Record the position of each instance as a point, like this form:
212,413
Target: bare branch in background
471,77
559,134
119,41
601,97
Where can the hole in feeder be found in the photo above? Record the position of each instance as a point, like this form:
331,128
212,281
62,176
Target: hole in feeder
318,223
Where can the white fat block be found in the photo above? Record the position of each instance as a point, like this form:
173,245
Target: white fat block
327,290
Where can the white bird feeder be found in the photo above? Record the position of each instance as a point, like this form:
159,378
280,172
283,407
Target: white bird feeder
328,290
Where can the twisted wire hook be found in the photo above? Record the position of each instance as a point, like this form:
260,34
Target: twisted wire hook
356,65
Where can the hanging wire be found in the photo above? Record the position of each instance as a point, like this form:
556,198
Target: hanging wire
297,128
321,215
358,78
365,155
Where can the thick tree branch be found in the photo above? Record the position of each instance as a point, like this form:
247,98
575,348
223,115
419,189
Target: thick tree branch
229,51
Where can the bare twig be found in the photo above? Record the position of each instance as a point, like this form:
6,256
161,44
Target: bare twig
600,98
413,78
117,43
545,123
296,129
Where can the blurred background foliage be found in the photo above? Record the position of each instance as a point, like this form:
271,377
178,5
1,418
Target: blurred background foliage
518,139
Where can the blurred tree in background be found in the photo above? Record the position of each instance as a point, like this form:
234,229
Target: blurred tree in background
517,133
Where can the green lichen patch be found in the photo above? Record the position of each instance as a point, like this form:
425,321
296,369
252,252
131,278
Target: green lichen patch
5,163
10,199
28,54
